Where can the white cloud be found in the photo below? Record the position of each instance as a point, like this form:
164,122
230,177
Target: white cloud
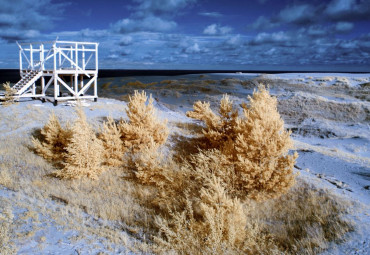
340,6
150,24
262,23
317,31
125,40
215,29
263,38
151,16
24,19
161,6
211,14
297,14
193,48
94,33
344,26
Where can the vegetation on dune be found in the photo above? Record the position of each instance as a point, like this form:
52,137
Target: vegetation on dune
83,153
8,95
256,144
234,194
53,140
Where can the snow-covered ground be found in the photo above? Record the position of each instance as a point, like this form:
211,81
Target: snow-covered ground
329,115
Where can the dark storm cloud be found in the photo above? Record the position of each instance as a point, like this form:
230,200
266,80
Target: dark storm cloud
24,19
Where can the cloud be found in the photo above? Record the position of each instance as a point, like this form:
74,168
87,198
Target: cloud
211,14
150,24
192,49
151,16
24,19
317,31
232,43
125,40
298,14
270,38
344,27
348,10
262,23
94,33
160,7
215,29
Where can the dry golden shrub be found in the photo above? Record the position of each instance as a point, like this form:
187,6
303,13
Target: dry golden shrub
9,94
148,165
139,84
264,168
84,155
196,214
220,129
143,127
53,141
220,228
114,150
256,143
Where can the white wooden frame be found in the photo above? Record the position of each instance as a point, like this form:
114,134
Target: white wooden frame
57,60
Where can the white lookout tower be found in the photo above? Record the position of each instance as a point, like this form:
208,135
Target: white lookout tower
71,68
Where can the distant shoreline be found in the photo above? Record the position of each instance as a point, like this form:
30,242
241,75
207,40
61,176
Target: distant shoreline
12,75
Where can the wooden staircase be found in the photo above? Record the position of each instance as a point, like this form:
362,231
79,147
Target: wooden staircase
26,82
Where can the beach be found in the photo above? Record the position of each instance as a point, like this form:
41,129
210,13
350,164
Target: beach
327,113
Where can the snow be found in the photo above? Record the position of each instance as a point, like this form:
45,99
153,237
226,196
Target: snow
334,153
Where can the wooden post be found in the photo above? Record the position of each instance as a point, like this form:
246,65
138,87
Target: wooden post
20,60
31,56
71,55
42,84
81,81
60,60
76,70
83,57
42,67
55,75
96,58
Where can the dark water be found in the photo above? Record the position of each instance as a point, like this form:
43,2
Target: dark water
12,75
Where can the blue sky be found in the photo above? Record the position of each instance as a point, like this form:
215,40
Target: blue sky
331,35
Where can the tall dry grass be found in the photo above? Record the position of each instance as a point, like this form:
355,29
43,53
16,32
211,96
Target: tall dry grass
6,230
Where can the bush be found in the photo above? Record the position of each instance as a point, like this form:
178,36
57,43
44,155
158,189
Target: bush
143,128
9,94
84,155
255,143
114,150
53,141
76,149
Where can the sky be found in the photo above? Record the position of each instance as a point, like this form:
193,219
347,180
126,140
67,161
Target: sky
290,35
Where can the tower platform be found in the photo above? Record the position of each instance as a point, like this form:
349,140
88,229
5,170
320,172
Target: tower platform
60,70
